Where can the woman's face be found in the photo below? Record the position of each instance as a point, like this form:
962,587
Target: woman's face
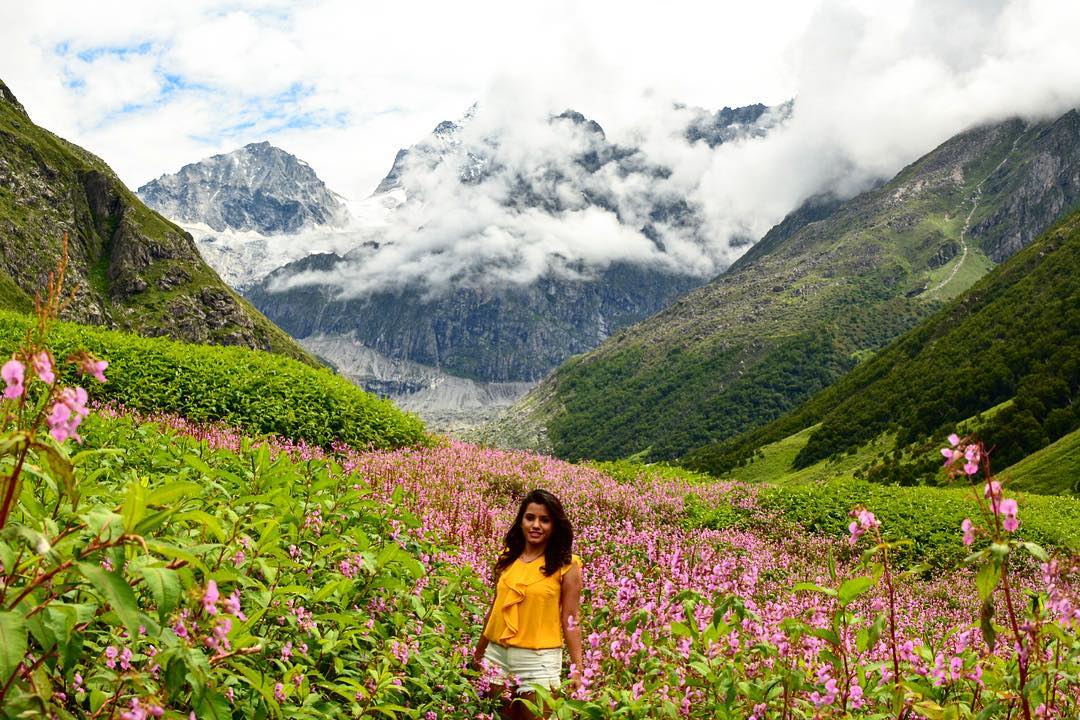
537,525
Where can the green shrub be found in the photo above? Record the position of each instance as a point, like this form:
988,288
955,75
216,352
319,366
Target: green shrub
255,391
929,516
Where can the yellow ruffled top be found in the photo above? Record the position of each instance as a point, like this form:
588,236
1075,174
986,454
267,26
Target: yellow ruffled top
527,604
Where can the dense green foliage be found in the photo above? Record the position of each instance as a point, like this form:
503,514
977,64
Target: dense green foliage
930,517
1014,336
160,516
249,389
821,292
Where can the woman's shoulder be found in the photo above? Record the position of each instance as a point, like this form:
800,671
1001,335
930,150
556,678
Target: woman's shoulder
575,561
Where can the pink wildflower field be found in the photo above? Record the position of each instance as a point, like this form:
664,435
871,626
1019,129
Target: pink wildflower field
675,616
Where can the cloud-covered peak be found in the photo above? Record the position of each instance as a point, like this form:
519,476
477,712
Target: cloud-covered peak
499,199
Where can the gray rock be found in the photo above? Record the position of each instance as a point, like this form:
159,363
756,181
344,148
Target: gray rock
258,187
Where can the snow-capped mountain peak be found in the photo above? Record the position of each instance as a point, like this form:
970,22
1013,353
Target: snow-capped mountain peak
259,188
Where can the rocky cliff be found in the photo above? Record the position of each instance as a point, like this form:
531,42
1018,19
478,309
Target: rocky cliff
133,269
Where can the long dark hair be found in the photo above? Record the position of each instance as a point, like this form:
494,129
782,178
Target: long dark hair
559,549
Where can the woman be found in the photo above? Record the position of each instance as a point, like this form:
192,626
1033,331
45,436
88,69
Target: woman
537,599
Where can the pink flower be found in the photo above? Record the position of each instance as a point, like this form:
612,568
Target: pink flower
954,439
992,490
232,606
864,520
67,413
110,656
13,373
1008,510
970,468
43,367
969,531
210,598
279,692
89,365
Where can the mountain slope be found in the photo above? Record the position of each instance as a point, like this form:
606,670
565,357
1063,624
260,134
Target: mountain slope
814,296
1006,352
134,270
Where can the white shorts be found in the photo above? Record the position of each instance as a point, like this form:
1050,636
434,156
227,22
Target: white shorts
524,667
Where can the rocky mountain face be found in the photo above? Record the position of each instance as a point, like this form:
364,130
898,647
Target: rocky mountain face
830,284
509,334
739,123
133,269
259,188
505,334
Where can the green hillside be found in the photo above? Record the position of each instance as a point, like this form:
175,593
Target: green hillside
255,391
822,291
1014,337
133,269
1054,469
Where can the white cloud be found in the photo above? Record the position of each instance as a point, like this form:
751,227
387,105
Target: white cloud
344,85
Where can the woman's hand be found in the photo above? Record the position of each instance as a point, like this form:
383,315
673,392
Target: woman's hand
478,658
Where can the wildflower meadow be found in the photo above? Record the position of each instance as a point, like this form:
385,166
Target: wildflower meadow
155,567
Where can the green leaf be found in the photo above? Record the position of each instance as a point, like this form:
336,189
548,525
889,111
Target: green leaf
173,491
986,623
828,636
174,553
811,587
118,593
205,519
213,706
929,709
853,588
164,585
12,643
987,579
195,462
83,455
58,464
679,629
1037,552
134,508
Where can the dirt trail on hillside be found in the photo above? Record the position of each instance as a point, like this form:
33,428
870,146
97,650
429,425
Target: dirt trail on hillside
975,197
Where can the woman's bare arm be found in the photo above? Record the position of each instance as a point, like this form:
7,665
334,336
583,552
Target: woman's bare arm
571,608
482,643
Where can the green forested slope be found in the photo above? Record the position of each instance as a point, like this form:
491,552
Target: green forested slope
1014,336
